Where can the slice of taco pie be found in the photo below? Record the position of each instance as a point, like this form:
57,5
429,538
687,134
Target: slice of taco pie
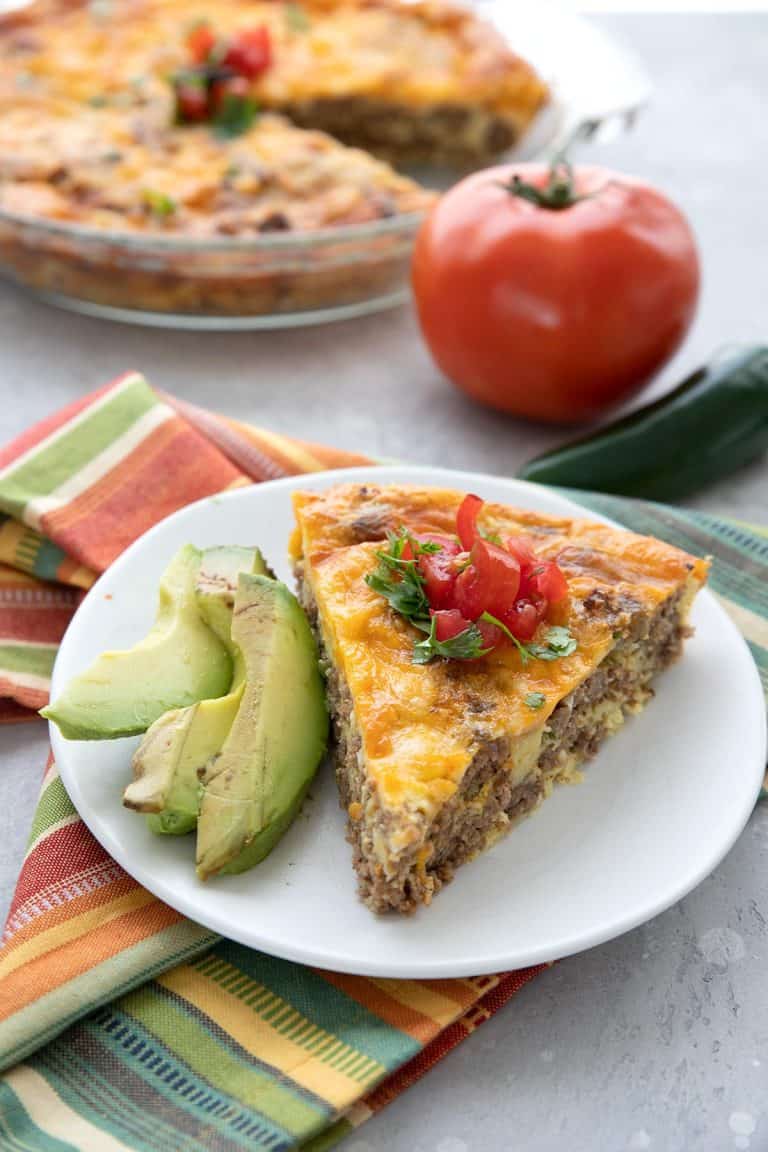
475,655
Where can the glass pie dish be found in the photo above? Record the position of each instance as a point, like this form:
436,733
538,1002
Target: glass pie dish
276,280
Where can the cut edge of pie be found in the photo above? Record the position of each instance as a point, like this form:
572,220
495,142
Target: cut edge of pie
435,763
488,112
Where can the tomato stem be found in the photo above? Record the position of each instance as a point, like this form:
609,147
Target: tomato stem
558,193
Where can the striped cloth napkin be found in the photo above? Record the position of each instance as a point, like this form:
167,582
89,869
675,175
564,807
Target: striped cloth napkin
122,1024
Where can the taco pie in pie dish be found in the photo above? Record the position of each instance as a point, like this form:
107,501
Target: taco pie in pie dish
176,122
475,655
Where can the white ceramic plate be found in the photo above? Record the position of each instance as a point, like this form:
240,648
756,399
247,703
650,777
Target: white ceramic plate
658,809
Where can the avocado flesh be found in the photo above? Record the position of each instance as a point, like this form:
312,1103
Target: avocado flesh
179,662
254,787
180,743
165,765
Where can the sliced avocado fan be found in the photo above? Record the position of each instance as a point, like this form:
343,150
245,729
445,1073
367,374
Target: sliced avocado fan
178,662
179,744
254,787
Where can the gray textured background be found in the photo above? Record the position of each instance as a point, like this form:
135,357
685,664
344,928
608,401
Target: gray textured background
658,1040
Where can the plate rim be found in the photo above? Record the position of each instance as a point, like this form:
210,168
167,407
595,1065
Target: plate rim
468,966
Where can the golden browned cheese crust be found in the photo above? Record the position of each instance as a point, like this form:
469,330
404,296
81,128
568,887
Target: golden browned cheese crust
86,111
418,725
416,54
122,172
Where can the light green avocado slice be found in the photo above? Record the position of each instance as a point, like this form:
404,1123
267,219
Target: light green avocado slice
216,586
178,662
179,744
165,764
254,788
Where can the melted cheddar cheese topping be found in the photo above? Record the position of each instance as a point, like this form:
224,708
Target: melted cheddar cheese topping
420,726
421,53
88,133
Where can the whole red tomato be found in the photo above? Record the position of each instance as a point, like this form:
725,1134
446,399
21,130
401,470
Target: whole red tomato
554,294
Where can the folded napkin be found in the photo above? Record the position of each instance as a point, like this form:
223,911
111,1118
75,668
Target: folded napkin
124,1025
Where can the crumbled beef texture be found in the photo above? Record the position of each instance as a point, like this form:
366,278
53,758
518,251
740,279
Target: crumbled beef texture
372,523
275,222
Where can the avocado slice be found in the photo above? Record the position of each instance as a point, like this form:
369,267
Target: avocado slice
216,586
180,743
254,787
178,662
165,783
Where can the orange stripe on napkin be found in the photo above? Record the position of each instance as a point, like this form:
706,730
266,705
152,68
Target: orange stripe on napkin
173,467
71,958
373,997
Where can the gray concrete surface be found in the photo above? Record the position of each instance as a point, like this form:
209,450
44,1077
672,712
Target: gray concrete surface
658,1040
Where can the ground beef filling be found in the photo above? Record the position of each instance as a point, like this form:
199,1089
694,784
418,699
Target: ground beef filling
445,133
488,802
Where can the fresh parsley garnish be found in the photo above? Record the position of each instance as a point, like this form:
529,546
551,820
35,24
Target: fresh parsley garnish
491,537
235,116
159,203
402,585
490,619
535,700
405,595
400,582
558,642
466,645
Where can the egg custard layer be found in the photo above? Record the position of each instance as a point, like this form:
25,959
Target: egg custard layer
435,761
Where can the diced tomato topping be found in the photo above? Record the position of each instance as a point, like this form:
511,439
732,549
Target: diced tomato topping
439,572
493,637
522,551
191,102
467,577
203,88
498,573
527,587
522,618
468,594
449,623
200,42
548,580
448,544
466,520
249,52
236,87
490,583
